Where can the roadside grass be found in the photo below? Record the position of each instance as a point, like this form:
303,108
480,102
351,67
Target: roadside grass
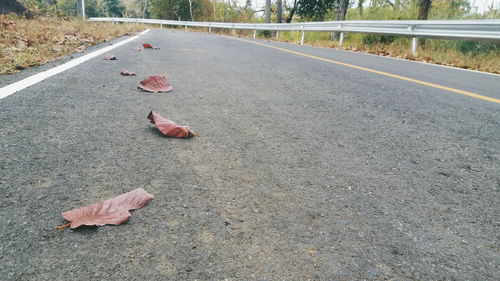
31,42
475,55
435,51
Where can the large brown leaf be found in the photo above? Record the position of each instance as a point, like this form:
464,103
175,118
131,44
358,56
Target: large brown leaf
112,211
155,84
169,128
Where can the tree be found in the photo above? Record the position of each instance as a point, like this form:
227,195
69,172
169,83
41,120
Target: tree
113,8
315,9
360,7
13,6
215,14
450,9
79,8
145,10
342,10
188,9
279,11
292,12
191,9
268,11
423,9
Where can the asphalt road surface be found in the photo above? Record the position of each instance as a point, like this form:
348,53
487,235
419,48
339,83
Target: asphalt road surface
304,170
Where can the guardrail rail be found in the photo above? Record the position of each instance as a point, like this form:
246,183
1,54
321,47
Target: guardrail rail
475,30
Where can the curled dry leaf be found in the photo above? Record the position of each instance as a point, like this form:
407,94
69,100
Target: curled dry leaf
56,48
110,57
80,49
138,49
149,46
127,73
112,211
9,25
155,84
90,40
169,128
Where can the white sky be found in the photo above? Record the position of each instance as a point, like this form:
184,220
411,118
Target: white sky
482,5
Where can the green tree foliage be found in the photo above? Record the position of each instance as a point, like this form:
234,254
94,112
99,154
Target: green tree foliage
114,8
449,9
170,9
203,10
93,8
242,11
179,9
315,9
409,9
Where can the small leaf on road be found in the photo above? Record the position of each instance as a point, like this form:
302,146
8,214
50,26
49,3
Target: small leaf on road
149,46
110,57
138,49
169,128
155,84
127,73
112,211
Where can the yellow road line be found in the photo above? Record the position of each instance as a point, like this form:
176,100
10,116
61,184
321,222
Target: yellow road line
462,92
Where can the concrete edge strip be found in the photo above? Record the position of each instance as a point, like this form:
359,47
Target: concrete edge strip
32,80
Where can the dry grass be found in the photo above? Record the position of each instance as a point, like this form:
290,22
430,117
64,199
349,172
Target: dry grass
25,43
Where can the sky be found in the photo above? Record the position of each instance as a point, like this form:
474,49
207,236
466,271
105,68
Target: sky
482,5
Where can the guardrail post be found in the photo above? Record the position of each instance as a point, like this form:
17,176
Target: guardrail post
303,35
254,32
341,40
277,34
185,27
414,44
209,28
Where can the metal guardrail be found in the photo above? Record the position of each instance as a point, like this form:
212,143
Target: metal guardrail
476,30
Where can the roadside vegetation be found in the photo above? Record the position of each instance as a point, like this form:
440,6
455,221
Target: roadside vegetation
464,54
484,56
32,42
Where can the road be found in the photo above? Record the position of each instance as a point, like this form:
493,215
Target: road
304,169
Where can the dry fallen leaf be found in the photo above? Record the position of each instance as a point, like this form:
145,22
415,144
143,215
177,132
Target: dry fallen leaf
9,25
56,48
89,40
138,49
80,49
127,73
155,84
169,128
112,211
149,46
110,57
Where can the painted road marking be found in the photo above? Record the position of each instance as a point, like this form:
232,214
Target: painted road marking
32,80
458,91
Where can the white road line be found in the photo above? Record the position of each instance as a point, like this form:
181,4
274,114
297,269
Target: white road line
32,80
